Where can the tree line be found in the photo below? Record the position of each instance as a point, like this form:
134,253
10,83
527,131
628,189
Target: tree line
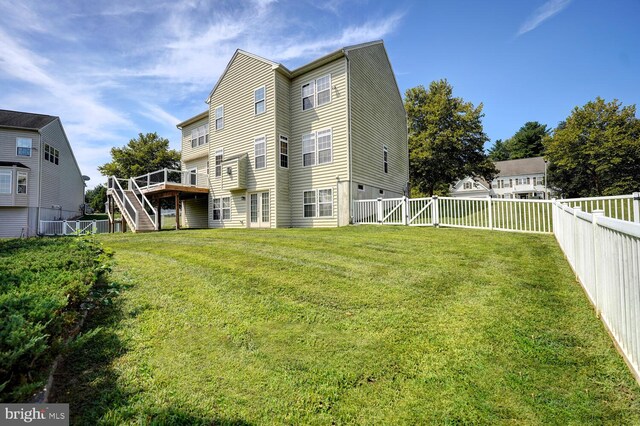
595,151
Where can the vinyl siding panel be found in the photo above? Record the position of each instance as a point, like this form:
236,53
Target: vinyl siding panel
241,126
62,184
13,222
329,116
283,207
377,119
189,153
8,153
195,213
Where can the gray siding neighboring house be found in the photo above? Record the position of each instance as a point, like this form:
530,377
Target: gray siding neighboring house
522,178
39,176
294,148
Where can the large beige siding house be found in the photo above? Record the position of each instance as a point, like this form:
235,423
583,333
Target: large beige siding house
39,176
522,178
293,148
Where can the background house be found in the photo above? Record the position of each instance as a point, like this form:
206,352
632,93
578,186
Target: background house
522,178
293,148
39,176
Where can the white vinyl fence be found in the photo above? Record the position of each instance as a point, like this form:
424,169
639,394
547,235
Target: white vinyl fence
605,256
599,236
76,227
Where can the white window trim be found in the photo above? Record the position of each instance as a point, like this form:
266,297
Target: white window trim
216,118
318,92
316,155
26,184
215,164
312,96
30,148
255,142
221,209
10,174
264,100
315,92
280,154
317,203
385,159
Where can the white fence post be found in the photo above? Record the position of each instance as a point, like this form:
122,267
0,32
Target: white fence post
435,211
576,209
379,211
490,204
636,207
405,211
64,227
94,227
596,258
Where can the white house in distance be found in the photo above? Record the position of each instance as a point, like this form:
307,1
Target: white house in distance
522,178
39,176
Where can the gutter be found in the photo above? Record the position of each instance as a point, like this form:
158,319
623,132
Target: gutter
349,168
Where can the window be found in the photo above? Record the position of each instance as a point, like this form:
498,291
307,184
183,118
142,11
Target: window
325,203
265,207
220,117
381,192
309,149
284,151
51,154
258,99
308,95
323,86
318,203
219,154
316,93
216,209
309,203
5,181
540,180
226,208
259,148
199,136
360,187
23,147
21,183
385,159
320,142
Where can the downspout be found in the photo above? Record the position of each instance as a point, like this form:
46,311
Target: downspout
349,176
39,197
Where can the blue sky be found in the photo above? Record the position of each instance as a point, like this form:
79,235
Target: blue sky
111,69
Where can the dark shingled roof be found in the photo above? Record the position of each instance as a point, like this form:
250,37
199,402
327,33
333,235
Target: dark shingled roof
11,164
522,166
24,120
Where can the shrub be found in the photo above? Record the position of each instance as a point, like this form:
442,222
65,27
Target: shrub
43,283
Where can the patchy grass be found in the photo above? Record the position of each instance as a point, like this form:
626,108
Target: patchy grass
354,325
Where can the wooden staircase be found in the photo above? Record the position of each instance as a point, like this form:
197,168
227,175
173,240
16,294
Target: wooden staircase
131,207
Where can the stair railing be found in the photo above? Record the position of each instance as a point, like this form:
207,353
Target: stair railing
128,209
144,202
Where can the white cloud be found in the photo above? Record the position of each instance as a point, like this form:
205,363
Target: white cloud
544,12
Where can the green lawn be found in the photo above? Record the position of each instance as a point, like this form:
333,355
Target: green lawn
365,325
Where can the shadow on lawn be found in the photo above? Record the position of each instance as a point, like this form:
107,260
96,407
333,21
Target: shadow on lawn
87,380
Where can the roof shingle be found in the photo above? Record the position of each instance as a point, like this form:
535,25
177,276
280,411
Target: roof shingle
24,120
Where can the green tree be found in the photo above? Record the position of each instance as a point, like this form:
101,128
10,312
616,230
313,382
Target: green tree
500,151
143,155
596,151
527,142
96,198
446,139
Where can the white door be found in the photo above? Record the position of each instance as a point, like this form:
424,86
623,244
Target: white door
259,211
193,177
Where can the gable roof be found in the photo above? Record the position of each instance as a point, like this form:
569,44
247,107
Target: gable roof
193,119
24,120
298,71
522,166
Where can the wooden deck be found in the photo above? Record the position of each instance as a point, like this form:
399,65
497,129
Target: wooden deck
163,190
